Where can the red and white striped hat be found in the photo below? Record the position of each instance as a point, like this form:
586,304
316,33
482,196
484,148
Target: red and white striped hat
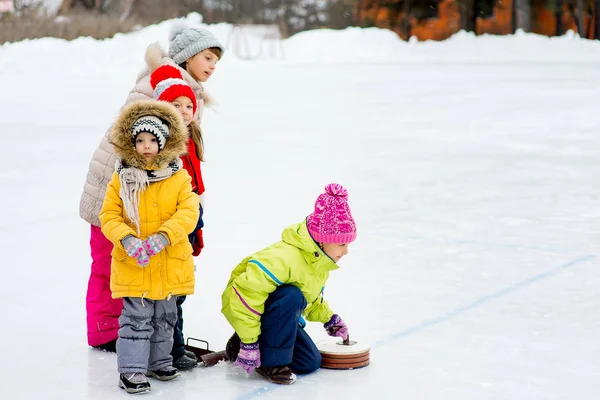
168,84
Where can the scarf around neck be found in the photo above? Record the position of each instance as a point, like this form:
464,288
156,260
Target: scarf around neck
134,181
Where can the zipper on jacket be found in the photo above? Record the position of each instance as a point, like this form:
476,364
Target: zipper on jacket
322,294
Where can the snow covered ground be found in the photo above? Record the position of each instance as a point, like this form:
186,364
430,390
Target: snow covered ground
472,167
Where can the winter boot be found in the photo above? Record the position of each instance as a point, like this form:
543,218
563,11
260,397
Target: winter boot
110,346
164,374
185,363
134,383
282,375
191,355
233,347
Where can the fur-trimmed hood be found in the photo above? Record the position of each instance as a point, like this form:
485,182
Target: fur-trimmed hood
122,140
155,57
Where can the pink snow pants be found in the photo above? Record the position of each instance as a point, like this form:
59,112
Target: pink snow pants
102,310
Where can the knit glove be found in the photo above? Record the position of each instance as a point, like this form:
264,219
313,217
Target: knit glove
336,327
155,244
249,357
134,247
196,239
197,243
200,223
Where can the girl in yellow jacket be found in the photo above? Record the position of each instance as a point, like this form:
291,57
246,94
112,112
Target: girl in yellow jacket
147,214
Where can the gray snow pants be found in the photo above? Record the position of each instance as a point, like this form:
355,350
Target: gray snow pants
146,334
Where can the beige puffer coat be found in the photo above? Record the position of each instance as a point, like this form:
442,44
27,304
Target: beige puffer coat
102,165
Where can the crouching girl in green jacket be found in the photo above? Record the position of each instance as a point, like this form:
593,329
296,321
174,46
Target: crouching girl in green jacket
270,291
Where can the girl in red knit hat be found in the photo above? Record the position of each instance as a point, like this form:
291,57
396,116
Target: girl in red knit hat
169,85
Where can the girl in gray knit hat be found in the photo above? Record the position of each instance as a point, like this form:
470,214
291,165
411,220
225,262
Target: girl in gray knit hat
195,50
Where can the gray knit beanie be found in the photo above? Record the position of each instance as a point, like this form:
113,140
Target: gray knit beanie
185,42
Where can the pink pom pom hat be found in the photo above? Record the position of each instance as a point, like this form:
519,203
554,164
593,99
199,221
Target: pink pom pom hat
331,221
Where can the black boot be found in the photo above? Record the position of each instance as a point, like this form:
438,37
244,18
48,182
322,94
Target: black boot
282,375
185,363
110,346
190,355
164,374
233,347
134,383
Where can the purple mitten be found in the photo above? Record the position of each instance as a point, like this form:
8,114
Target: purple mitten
336,327
155,244
134,248
249,357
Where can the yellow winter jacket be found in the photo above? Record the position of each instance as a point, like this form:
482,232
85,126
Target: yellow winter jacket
168,206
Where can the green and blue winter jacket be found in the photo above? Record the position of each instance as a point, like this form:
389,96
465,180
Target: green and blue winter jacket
296,260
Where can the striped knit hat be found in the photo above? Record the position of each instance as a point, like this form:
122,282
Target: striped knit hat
168,84
153,125
331,221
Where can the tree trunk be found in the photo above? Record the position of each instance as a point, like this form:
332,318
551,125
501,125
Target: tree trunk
580,20
522,15
597,19
468,15
406,22
559,25
125,9
590,22
514,24
474,15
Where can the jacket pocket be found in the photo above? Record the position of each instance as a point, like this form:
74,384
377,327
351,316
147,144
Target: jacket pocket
180,267
124,270
118,254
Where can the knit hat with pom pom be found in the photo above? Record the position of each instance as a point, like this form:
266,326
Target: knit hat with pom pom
168,84
331,221
185,42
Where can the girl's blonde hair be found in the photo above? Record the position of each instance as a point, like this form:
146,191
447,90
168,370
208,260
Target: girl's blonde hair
196,135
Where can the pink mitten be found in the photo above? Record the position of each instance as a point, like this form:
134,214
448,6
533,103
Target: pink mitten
249,357
134,248
155,244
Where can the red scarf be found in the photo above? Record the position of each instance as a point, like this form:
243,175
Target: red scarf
191,163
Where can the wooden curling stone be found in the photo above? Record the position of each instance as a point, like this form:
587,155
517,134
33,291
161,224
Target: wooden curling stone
347,354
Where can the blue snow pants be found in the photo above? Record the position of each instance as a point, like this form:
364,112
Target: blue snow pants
178,339
283,341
